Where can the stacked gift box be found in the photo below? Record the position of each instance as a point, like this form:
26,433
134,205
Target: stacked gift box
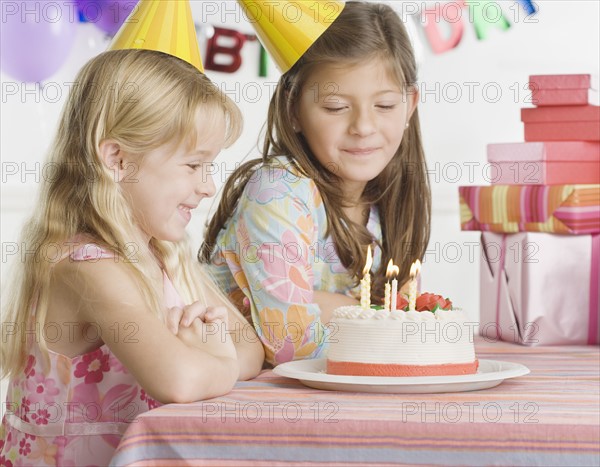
540,221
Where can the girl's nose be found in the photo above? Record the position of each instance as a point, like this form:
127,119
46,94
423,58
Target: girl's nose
206,184
363,123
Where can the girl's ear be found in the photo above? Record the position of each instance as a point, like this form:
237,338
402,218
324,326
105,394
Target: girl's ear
112,156
295,121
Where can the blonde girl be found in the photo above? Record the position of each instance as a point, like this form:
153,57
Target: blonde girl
342,168
107,316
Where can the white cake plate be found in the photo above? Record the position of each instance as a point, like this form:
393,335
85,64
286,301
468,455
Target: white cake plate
311,373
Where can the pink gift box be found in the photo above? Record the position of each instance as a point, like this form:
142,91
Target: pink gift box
545,163
539,288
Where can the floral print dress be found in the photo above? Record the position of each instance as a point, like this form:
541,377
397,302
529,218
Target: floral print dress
274,250
75,413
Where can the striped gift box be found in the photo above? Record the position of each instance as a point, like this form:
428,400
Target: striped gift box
561,209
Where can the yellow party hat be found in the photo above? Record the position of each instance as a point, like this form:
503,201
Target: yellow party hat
288,29
163,25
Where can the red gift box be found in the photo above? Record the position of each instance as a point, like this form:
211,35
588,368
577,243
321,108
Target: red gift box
581,81
545,163
548,97
566,123
539,288
562,131
572,113
559,90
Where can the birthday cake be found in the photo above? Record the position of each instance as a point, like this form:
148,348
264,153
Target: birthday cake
432,340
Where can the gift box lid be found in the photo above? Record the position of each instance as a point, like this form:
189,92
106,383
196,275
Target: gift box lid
562,209
554,151
564,97
565,113
572,81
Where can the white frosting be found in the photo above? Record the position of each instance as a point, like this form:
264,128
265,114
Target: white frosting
400,337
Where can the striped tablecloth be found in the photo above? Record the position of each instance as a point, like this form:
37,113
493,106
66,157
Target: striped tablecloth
549,417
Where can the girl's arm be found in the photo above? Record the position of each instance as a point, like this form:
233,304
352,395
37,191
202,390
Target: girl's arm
329,301
168,367
250,352
272,240
249,349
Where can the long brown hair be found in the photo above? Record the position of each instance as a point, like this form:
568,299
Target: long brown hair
116,96
401,191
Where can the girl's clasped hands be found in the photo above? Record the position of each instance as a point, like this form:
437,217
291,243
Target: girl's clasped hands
197,323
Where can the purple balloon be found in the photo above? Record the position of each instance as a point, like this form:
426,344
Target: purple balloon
36,38
108,15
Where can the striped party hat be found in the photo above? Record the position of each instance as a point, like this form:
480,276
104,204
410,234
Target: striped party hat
163,25
287,29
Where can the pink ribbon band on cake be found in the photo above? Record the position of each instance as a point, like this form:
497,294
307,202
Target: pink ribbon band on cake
520,299
564,209
389,369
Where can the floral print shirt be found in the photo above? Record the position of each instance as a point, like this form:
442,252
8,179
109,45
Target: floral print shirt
274,249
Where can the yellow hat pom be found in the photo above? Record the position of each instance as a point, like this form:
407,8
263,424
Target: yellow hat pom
288,29
163,25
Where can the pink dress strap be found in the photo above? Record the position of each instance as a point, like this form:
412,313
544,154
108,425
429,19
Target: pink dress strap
91,252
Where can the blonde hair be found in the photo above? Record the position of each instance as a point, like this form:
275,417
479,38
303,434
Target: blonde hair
116,96
363,31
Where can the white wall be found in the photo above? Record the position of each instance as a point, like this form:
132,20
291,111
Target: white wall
563,37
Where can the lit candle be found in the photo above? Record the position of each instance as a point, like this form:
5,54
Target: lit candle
395,272
412,288
365,283
387,290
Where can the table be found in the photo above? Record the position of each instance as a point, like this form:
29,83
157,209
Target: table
549,417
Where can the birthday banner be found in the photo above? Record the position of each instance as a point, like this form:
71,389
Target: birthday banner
442,24
483,16
37,36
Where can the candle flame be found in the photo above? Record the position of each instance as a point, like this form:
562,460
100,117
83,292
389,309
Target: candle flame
392,270
415,268
369,262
